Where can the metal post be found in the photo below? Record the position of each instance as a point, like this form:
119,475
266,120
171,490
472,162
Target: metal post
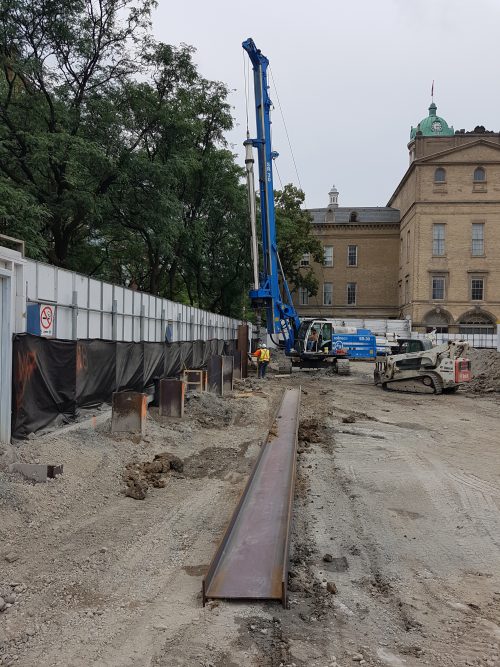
193,328
163,331
74,316
172,397
114,319
141,322
6,330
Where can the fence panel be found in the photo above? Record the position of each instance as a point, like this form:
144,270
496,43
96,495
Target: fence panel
89,308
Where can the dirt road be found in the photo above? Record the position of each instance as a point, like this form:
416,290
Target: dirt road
403,496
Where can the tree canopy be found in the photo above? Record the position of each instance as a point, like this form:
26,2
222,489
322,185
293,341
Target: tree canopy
113,159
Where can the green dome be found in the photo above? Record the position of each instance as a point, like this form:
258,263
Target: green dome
432,126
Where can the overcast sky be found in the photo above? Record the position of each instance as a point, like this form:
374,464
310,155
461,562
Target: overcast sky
352,77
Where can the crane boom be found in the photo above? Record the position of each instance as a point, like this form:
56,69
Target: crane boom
281,316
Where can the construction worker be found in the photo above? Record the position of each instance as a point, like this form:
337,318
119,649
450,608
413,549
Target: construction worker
313,342
263,357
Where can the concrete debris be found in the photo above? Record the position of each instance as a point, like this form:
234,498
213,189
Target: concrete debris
37,472
11,557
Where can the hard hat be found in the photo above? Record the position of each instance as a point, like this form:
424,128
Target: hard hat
263,345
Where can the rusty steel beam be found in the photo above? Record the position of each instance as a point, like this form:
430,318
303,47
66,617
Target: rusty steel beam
237,365
242,346
172,393
215,378
251,562
128,412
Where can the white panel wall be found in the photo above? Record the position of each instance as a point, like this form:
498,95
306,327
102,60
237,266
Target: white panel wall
88,308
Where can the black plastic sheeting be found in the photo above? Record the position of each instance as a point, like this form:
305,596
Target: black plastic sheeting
53,378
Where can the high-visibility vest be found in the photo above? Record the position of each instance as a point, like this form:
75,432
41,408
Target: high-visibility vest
264,354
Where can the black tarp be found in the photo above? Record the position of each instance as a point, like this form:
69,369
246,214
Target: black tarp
52,378
154,362
95,371
44,383
129,366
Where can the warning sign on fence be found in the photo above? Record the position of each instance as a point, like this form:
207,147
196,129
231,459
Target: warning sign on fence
47,316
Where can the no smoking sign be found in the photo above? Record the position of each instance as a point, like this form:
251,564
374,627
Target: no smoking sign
46,320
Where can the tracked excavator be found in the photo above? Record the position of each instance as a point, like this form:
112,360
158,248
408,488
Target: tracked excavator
270,292
441,369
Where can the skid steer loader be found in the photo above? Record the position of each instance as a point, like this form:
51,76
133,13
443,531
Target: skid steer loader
441,369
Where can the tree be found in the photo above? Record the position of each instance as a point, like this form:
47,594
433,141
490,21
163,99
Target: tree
60,59
295,238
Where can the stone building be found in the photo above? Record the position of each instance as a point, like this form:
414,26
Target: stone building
359,275
433,254
449,200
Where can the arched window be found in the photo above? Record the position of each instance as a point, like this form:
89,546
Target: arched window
476,323
479,174
440,175
353,217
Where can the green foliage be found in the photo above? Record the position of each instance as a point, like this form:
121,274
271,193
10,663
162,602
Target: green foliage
112,153
295,238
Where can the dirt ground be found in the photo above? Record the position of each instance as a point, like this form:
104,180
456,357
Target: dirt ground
399,492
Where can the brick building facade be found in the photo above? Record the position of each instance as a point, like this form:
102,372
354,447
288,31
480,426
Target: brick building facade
433,254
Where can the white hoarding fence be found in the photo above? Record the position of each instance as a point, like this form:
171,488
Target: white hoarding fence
479,340
77,306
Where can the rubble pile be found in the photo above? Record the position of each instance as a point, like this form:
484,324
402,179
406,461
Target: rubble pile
485,366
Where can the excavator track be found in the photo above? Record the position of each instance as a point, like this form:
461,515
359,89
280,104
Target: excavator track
430,383
343,367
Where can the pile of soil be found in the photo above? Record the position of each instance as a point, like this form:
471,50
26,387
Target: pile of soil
139,476
309,430
209,410
485,366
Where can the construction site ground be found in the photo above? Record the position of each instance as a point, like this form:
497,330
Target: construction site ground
398,492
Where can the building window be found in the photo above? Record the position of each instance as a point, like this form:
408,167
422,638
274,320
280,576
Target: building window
327,294
305,259
438,239
352,255
351,294
440,175
353,217
476,323
479,174
437,288
303,296
477,289
477,239
408,245
407,290
328,255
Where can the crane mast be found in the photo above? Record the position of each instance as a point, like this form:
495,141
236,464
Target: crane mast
281,316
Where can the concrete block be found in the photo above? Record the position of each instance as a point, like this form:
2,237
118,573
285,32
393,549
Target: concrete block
128,415
35,471
172,393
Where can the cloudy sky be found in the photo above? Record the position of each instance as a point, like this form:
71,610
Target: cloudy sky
352,77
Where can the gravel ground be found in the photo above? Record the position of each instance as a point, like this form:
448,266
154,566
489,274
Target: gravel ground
399,492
